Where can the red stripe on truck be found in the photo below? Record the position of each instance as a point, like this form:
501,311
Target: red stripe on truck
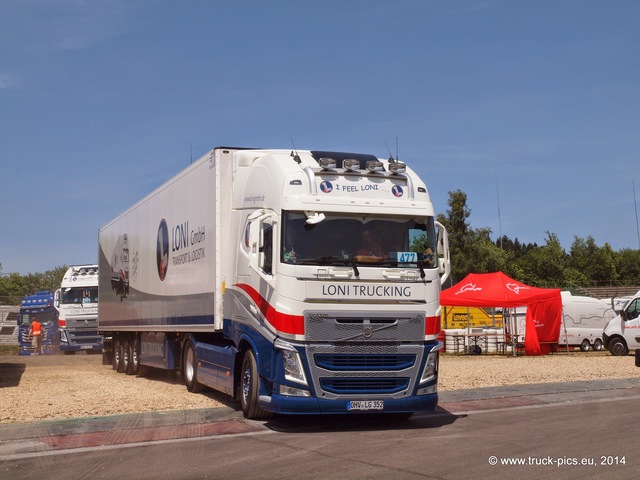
282,322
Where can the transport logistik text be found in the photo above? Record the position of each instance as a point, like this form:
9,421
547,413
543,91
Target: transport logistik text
182,237
366,291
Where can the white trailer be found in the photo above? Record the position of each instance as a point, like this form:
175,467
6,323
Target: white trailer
249,273
583,321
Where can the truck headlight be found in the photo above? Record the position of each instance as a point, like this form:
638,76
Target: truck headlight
431,366
293,370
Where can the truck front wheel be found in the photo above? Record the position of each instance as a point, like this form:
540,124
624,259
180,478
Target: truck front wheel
617,347
250,388
189,368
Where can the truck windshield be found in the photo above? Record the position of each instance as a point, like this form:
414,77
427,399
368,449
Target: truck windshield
79,295
341,239
44,318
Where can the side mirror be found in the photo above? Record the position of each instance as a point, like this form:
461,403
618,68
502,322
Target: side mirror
442,249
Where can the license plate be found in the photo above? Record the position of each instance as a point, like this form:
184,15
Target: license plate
86,347
365,405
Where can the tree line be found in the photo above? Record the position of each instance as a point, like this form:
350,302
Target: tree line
13,286
549,266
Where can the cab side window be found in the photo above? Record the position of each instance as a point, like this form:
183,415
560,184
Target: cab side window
634,310
267,249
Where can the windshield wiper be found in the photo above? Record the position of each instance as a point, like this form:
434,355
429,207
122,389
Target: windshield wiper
353,263
337,261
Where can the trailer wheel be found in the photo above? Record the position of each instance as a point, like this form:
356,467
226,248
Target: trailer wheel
597,345
617,347
585,345
117,364
189,368
133,346
249,389
126,354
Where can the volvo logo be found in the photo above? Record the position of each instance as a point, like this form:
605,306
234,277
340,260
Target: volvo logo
367,331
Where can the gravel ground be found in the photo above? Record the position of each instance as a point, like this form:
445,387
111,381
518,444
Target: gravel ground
61,386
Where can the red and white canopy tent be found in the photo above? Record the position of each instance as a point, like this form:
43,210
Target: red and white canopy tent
544,305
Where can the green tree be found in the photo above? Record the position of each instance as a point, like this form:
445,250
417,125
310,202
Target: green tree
628,266
472,251
596,264
459,231
545,266
13,287
455,221
481,255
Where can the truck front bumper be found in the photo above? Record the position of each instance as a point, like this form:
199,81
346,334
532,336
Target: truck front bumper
288,405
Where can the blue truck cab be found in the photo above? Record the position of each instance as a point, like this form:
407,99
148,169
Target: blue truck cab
38,307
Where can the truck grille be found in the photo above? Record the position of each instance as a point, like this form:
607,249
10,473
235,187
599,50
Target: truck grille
377,356
364,362
354,386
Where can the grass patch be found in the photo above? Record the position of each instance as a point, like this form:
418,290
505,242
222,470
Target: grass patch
8,350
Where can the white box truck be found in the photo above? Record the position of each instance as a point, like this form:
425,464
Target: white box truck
622,333
77,304
296,282
583,321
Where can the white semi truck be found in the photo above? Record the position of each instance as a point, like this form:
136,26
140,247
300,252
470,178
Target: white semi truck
296,282
622,333
77,305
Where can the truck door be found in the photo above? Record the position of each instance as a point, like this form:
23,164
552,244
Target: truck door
631,324
261,264
261,238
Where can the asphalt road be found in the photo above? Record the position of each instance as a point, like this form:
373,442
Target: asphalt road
569,430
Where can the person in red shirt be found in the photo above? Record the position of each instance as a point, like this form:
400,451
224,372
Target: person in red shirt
369,247
36,336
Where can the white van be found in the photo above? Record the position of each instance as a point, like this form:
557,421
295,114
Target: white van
623,332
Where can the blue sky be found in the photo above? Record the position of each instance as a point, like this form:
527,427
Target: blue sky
535,103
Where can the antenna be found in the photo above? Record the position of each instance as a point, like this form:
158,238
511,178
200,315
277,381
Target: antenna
499,219
295,156
636,207
391,159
